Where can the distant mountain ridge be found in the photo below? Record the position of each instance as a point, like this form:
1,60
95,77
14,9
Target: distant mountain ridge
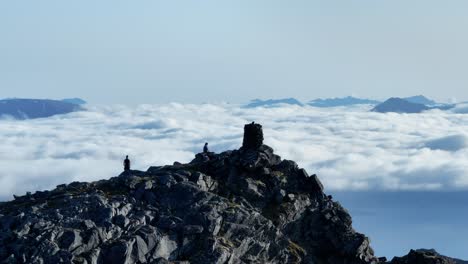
35,108
273,102
329,102
412,104
344,101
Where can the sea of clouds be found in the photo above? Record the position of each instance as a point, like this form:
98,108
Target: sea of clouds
348,148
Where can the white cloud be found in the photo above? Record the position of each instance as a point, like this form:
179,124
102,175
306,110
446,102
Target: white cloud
461,108
349,148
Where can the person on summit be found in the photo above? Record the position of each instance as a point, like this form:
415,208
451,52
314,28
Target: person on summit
205,148
126,164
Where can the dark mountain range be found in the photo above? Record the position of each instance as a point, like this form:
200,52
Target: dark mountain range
345,101
35,108
399,105
240,206
273,102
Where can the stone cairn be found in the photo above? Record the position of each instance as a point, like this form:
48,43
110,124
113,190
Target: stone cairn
253,136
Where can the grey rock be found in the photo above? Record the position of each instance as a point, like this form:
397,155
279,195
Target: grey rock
193,229
70,240
279,196
121,221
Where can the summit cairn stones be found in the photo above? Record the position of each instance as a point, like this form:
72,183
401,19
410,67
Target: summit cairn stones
254,155
253,136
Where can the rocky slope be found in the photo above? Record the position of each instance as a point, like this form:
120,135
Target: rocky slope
240,206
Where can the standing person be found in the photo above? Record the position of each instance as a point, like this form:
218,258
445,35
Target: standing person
205,148
126,164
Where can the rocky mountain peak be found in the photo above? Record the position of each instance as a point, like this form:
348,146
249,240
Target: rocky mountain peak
240,206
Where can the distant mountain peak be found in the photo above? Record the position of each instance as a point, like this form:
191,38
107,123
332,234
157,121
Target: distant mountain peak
399,105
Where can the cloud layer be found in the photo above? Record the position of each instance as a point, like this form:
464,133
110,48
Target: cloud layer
349,148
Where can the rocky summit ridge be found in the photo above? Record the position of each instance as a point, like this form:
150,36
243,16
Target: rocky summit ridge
240,206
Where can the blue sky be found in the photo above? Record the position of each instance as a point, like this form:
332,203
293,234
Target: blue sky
204,51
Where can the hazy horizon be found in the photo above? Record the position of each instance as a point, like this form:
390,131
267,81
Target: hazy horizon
303,100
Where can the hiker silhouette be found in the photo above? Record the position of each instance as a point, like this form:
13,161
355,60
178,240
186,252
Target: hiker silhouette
126,164
205,148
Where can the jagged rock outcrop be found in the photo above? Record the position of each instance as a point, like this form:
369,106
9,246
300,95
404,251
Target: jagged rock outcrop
240,206
423,256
